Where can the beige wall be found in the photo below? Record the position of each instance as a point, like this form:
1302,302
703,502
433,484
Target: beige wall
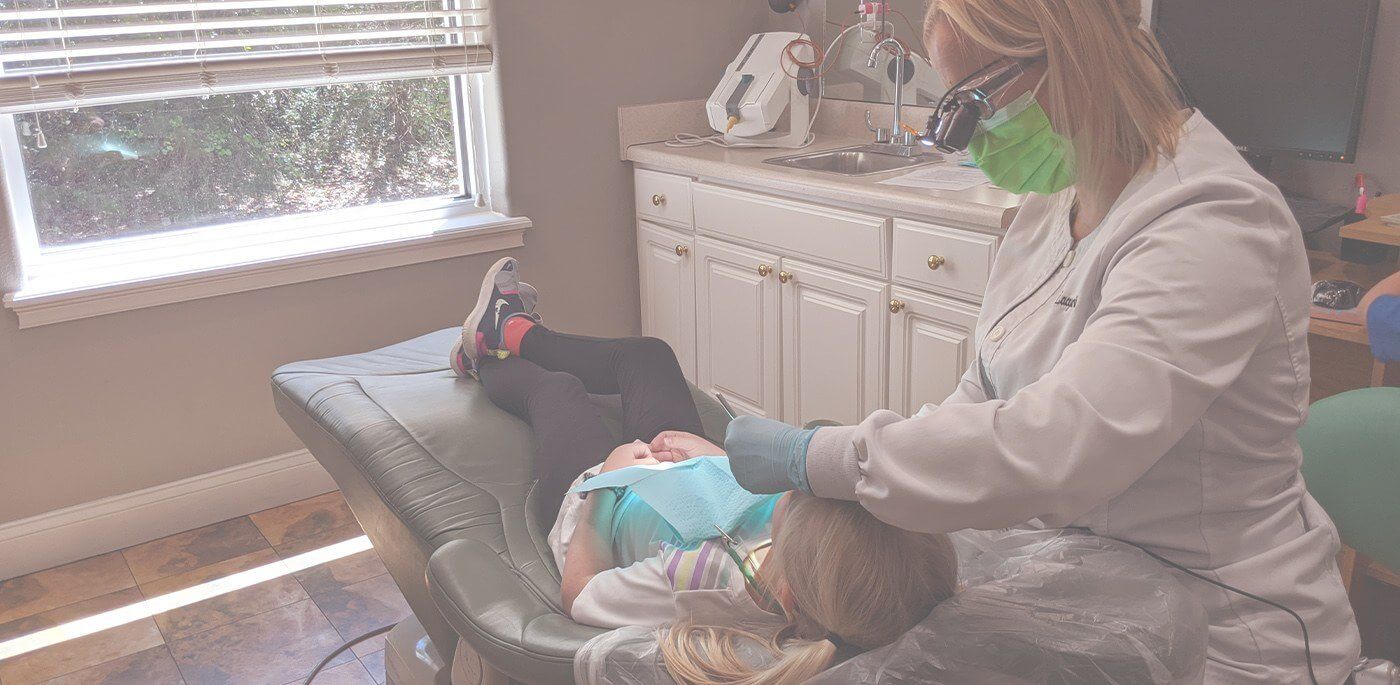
108,405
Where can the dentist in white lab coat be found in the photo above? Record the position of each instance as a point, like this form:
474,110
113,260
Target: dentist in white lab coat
1142,357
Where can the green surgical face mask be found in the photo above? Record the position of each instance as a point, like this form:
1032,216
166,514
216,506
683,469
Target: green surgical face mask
1020,152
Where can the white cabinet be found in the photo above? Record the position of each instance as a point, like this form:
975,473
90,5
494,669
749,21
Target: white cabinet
737,326
663,197
799,311
931,345
666,266
833,344
849,240
944,260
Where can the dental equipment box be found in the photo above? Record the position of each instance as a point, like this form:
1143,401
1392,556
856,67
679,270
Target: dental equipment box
748,104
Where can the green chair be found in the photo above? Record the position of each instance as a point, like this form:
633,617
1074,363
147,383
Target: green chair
1351,460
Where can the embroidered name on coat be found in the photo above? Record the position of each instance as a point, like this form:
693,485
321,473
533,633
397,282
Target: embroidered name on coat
1067,302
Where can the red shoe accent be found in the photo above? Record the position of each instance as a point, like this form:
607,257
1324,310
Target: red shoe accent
514,330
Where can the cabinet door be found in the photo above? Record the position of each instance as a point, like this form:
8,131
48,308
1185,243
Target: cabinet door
833,344
667,267
737,325
931,345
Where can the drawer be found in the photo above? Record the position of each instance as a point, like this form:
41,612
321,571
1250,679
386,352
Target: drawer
945,260
834,236
664,196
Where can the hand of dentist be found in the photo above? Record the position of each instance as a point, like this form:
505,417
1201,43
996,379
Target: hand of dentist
768,456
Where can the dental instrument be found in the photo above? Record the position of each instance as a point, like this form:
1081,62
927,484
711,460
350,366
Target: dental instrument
727,409
746,563
748,104
731,127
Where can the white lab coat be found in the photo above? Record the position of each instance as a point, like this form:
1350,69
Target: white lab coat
1146,384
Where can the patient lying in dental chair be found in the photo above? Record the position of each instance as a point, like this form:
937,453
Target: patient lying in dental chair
809,580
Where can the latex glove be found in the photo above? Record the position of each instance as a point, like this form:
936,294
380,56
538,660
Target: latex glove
768,456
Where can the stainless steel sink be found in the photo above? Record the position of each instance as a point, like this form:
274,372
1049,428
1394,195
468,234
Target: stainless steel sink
860,160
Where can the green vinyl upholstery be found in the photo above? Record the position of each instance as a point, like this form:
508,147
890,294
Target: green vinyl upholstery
1351,460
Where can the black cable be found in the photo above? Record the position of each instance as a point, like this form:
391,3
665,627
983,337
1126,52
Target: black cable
1307,644
344,646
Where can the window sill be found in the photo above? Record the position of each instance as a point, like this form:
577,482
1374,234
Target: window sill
77,283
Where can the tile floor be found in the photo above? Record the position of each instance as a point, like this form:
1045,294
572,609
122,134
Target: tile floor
269,633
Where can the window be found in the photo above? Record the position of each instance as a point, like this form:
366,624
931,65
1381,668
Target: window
143,138
113,171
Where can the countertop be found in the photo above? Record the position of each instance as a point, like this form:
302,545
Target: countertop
984,207
1373,230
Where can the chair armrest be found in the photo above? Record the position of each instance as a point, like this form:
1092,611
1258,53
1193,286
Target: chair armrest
501,615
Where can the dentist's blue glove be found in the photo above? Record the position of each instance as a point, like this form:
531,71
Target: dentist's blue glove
768,456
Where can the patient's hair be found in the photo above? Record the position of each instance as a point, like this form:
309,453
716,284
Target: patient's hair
848,575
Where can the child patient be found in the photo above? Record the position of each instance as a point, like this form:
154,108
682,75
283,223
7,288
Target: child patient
834,581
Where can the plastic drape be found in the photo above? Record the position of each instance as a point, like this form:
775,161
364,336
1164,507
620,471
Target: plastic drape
1036,607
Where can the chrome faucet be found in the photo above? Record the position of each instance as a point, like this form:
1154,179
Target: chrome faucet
898,139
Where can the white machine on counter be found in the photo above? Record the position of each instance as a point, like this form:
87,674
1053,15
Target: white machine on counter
747,106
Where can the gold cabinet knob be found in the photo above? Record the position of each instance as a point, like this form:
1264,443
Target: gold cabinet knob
658,200
935,261
784,276
764,270
682,250
896,306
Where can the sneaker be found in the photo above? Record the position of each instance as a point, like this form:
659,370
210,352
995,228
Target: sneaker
465,366
530,297
502,297
462,365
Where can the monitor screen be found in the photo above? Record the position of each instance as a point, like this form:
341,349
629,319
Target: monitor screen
1276,76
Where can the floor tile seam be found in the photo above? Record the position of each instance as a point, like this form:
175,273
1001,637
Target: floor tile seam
249,617
163,645
181,671
168,639
363,662
262,533
344,637
132,574
125,566
335,631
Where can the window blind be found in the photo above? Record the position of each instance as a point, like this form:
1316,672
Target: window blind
70,53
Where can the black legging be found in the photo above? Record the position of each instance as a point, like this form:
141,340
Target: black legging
548,385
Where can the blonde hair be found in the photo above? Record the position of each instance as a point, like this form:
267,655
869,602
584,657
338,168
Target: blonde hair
850,577
1111,91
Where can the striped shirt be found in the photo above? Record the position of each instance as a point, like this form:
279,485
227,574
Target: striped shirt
706,566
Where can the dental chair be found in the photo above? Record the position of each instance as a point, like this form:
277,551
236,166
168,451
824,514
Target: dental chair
433,470
440,480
